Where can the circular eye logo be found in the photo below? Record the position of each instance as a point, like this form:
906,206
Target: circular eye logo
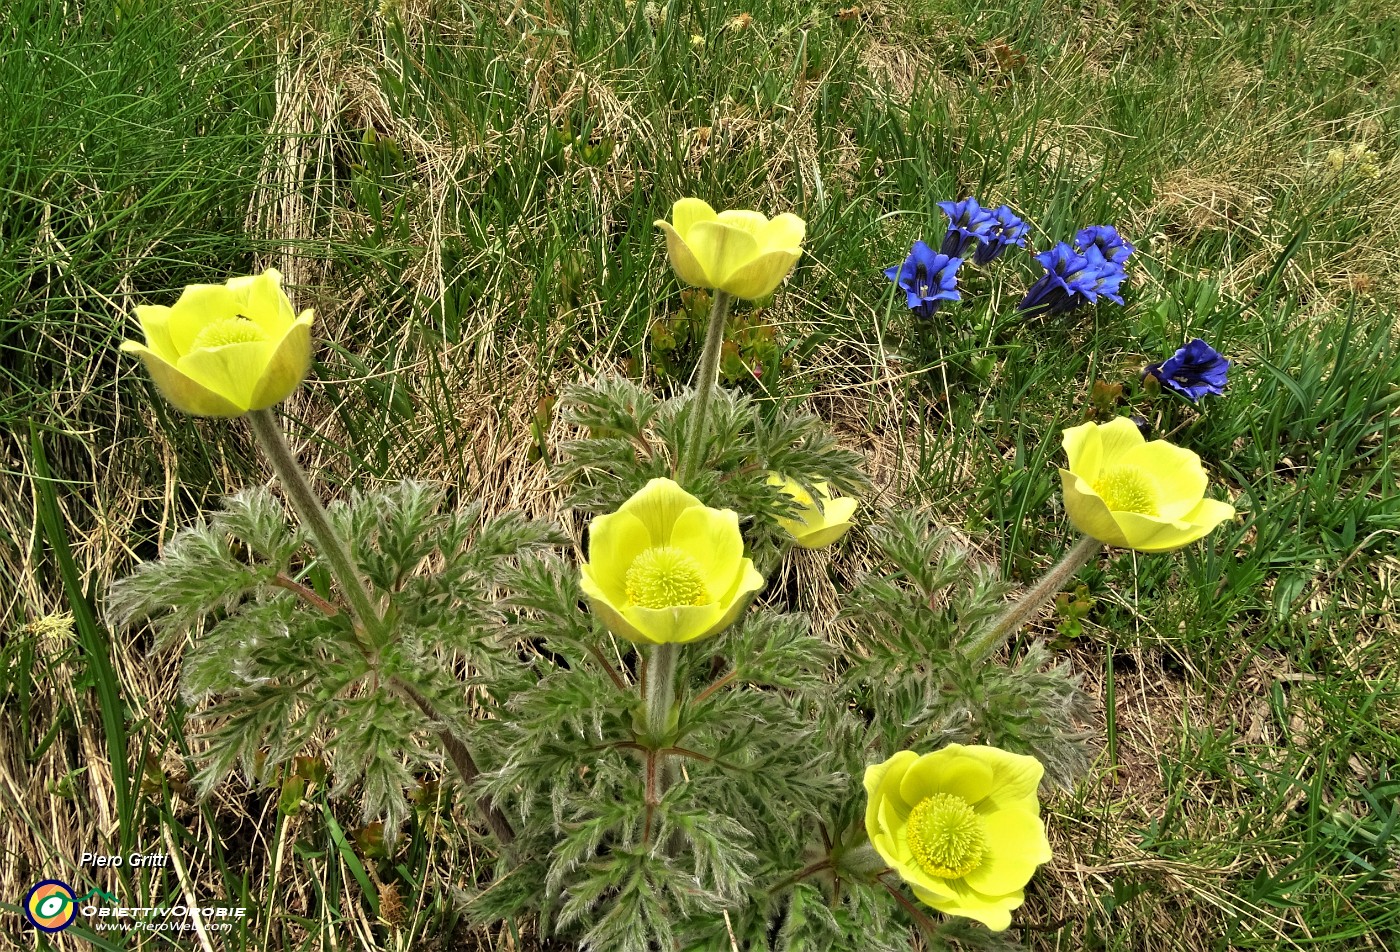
51,906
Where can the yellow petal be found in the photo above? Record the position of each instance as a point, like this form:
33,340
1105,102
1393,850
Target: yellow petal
721,249
614,542
199,306
1083,450
688,267
1118,437
687,211
1210,512
755,223
1088,512
658,504
286,367
1015,845
784,232
1176,472
267,304
832,525
676,625
155,321
947,771
711,537
791,488
231,371
874,776
894,822
822,538
1147,534
749,583
759,276
992,911
892,781
912,873
840,510
1015,778
187,395
814,527
606,612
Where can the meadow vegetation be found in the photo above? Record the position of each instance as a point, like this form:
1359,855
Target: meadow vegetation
465,193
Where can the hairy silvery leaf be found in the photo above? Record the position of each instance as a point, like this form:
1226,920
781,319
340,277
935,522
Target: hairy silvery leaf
744,441
208,567
916,684
280,665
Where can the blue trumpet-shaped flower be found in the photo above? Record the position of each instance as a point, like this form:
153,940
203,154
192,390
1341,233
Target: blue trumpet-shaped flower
927,277
1193,371
1070,279
969,224
1107,240
1008,230
1107,275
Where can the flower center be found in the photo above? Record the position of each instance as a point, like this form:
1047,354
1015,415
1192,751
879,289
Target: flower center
946,836
665,577
1127,489
231,330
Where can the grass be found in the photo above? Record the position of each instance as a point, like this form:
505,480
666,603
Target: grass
465,194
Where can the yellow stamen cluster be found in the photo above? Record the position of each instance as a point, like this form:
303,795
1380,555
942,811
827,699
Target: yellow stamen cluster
665,577
1126,489
945,836
232,330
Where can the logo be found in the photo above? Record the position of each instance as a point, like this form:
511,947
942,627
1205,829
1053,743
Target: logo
51,905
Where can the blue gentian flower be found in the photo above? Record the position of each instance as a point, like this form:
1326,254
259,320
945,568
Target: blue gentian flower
1008,230
1107,275
1070,279
1107,240
1193,371
969,224
928,278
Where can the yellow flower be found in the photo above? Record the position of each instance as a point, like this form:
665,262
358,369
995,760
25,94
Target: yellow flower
740,252
961,826
1127,492
665,568
814,528
225,349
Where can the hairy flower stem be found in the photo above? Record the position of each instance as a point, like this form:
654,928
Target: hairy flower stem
1034,598
462,759
661,689
317,521
660,699
863,860
313,515
704,388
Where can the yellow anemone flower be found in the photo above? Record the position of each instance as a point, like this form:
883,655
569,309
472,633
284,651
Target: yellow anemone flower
815,527
225,349
739,252
1127,492
665,568
961,826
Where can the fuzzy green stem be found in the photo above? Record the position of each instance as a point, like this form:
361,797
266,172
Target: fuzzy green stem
661,689
863,860
313,515
1034,598
462,759
659,698
704,388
